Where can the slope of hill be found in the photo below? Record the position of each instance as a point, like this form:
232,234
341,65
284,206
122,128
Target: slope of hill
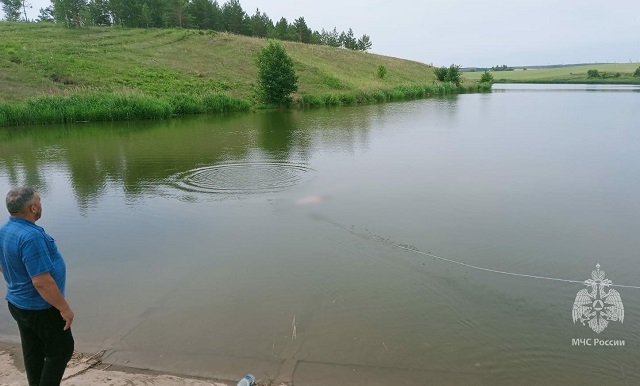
51,74
45,59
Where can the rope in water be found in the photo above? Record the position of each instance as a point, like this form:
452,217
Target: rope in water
416,250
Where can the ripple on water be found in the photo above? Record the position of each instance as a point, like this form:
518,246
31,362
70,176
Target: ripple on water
247,178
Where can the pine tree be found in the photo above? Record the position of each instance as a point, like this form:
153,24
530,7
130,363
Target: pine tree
11,9
364,43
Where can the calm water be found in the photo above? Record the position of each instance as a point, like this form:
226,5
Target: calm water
193,244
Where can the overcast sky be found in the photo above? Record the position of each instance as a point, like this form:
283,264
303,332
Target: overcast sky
480,33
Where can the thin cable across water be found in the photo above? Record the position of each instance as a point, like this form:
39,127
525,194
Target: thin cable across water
416,250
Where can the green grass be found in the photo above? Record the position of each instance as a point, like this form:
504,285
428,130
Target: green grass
49,73
572,74
112,107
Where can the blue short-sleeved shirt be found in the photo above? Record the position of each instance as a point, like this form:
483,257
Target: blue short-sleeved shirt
27,251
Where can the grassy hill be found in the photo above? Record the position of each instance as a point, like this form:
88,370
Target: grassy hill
53,74
569,74
46,59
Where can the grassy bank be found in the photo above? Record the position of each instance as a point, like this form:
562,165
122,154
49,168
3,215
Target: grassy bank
51,74
571,74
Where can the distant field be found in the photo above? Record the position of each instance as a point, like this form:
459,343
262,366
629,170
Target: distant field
573,74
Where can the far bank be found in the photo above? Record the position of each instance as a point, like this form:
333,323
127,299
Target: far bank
53,74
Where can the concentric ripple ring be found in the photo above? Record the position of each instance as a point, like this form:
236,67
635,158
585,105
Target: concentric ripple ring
247,178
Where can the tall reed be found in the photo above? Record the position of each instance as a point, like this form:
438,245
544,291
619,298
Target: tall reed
112,107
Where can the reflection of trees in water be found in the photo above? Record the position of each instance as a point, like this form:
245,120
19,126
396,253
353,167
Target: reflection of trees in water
281,135
21,163
136,157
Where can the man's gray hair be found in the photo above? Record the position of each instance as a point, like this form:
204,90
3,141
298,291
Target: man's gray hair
18,198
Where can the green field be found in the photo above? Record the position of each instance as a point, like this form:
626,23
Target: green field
572,74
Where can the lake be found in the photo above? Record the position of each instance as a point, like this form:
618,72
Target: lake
357,245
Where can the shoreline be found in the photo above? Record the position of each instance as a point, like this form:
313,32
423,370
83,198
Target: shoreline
88,369
95,106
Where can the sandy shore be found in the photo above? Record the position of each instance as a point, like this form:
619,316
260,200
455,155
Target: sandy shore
88,369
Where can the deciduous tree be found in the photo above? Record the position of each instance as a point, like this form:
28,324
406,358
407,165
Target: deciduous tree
276,75
69,12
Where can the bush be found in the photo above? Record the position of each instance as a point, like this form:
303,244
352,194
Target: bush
637,73
382,71
591,74
486,77
440,73
453,75
276,76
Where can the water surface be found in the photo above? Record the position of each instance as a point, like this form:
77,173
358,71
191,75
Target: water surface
192,244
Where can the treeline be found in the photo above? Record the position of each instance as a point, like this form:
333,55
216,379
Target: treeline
194,14
504,67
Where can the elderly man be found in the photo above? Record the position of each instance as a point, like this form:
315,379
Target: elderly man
35,274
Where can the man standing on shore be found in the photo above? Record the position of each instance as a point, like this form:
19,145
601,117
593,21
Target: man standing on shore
35,273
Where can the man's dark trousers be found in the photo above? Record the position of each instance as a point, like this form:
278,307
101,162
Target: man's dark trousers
46,347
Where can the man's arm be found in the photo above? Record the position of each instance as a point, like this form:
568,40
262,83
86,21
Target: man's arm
48,289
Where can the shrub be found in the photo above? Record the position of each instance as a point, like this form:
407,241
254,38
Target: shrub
593,74
637,73
382,71
486,77
453,75
276,76
440,73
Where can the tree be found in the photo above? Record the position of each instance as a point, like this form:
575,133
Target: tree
98,13
25,5
234,17
276,76
303,33
200,12
486,77
11,9
453,75
636,74
349,41
364,43
315,38
281,28
261,24
332,39
46,15
69,12
145,15
176,13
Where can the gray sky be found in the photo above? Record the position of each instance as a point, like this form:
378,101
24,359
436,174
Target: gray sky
479,33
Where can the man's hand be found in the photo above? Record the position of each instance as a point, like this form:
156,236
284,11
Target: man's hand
48,289
68,318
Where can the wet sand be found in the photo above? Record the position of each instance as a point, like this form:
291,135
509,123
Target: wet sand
88,369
